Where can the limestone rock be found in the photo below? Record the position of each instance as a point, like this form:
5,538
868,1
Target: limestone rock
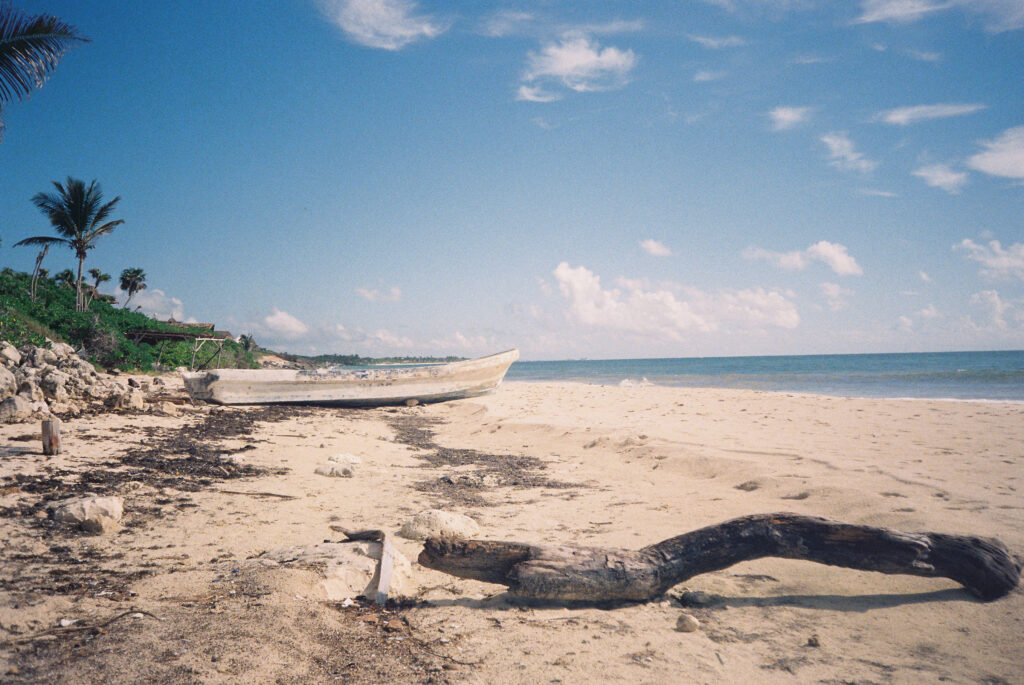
8,383
438,523
168,408
101,525
62,350
349,568
9,354
82,509
15,409
346,459
335,471
42,357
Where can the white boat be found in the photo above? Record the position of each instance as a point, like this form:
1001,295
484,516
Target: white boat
352,387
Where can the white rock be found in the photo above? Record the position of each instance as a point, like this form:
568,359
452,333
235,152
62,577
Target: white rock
8,383
15,409
62,350
10,353
42,356
335,471
350,568
169,408
438,523
687,624
343,458
101,525
82,509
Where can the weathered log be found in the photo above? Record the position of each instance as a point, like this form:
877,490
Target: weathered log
592,574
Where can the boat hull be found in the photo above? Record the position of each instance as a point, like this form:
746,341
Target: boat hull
352,387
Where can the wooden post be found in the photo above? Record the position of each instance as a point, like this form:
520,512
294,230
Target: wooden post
591,574
51,436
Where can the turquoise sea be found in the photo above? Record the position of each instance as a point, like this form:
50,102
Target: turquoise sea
937,375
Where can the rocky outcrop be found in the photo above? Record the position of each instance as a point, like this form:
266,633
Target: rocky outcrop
39,382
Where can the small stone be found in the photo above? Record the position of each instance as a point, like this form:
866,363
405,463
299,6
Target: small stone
438,523
82,509
411,402
335,471
813,641
687,624
101,525
343,458
65,622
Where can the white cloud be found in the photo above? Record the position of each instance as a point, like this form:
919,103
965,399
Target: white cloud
904,116
924,277
393,294
843,156
609,28
1003,156
929,312
463,343
996,262
836,295
996,313
655,248
535,94
284,324
579,64
384,24
874,192
506,23
941,176
998,15
925,56
706,76
784,118
155,303
906,324
718,42
836,257
659,313
897,10
832,254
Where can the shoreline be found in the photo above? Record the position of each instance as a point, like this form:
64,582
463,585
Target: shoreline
654,384
535,462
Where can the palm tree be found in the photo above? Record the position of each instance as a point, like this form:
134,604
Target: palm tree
78,214
37,270
132,281
98,277
67,277
30,48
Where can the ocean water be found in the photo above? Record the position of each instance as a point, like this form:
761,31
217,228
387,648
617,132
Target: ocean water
936,375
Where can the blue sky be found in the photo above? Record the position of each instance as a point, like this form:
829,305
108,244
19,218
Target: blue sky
598,179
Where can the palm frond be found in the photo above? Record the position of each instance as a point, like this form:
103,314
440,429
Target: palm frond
30,48
40,240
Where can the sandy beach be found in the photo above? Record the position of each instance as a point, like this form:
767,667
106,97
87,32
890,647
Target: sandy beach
179,593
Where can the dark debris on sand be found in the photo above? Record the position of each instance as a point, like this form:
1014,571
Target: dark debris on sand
502,470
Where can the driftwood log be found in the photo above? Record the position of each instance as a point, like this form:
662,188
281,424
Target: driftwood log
591,574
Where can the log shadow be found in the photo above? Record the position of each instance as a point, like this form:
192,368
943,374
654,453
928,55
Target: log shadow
847,603
504,601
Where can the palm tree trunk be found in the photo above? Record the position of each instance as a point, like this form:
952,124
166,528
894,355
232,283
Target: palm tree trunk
79,299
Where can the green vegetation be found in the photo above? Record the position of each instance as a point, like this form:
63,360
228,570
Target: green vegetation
99,333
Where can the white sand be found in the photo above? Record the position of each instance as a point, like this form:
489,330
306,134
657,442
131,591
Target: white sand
646,464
